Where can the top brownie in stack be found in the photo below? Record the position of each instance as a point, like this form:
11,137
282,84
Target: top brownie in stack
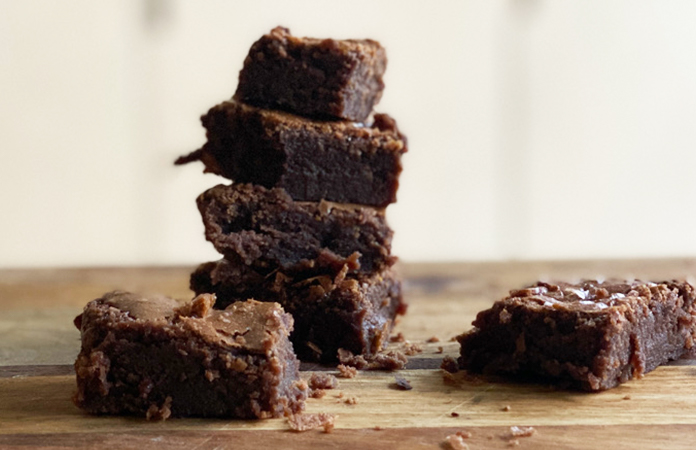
322,78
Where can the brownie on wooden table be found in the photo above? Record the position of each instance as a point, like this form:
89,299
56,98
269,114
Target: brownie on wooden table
266,229
157,358
349,312
313,160
593,334
323,78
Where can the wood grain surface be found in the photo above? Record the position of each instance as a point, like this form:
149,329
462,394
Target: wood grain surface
38,344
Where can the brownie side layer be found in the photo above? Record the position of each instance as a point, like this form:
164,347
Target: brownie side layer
312,160
266,229
355,314
595,335
153,357
326,78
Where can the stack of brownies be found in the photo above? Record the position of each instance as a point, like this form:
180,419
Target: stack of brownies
303,223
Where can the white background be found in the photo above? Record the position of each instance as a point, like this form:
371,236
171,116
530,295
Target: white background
537,129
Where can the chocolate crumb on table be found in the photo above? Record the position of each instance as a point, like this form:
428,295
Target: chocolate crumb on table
154,357
306,422
516,431
454,414
318,380
449,365
346,371
390,360
317,393
399,337
593,334
456,442
401,383
432,339
311,160
351,401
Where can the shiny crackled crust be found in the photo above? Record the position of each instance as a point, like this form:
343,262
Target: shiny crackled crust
593,334
154,357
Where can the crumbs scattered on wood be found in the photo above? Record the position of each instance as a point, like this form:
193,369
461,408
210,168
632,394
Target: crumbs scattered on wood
454,414
351,401
399,337
516,432
506,408
346,371
440,349
626,397
306,422
317,393
322,381
433,339
456,441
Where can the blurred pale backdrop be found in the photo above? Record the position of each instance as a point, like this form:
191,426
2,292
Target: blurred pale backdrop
538,128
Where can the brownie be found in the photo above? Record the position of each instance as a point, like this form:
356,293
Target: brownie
353,313
344,162
594,335
266,229
322,78
153,357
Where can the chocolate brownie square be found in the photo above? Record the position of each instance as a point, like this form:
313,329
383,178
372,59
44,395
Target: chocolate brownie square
312,160
322,78
355,313
154,357
267,230
594,335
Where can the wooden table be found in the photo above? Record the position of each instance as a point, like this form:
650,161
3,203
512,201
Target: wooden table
38,344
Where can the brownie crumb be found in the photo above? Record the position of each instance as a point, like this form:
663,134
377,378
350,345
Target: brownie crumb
378,428
455,442
340,395
399,337
626,397
433,339
351,401
155,412
410,349
391,360
440,349
449,364
506,408
522,432
306,422
346,371
464,434
454,414
317,393
402,384
322,381
513,443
